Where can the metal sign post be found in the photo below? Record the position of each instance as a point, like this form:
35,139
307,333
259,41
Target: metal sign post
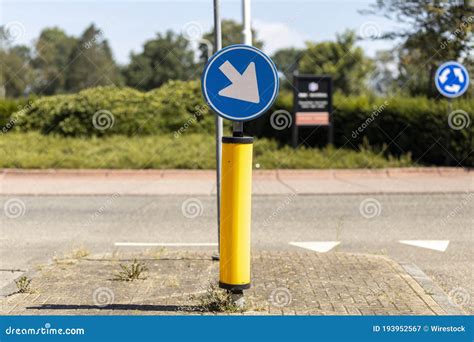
239,83
219,124
451,80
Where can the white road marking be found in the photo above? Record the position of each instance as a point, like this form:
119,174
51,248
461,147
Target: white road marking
317,246
437,245
164,244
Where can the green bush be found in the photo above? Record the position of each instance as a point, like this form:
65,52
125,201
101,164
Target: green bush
394,126
109,110
397,125
187,151
7,108
401,125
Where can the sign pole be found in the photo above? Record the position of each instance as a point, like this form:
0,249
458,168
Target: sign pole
451,80
250,72
238,180
448,137
238,126
219,125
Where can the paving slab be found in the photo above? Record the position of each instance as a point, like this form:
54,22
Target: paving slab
284,283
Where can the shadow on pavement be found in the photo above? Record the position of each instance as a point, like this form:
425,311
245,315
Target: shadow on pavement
138,307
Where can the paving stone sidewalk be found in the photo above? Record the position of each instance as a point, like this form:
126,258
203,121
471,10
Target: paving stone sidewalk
288,283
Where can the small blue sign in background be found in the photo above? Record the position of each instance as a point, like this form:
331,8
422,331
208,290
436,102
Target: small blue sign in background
214,80
452,79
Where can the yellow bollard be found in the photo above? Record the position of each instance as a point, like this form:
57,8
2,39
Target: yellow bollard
236,198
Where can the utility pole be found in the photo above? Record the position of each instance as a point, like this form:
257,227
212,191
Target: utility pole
238,127
219,124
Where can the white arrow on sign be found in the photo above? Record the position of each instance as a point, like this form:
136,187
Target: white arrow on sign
459,74
244,87
444,75
453,88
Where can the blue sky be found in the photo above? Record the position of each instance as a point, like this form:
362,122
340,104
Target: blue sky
127,24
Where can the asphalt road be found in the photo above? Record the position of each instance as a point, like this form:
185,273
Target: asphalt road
33,229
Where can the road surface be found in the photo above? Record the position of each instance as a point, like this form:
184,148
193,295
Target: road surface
34,229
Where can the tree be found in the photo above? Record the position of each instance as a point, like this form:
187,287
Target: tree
167,57
382,80
15,73
342,60
91,62
53,49
232,33
436,31
287,61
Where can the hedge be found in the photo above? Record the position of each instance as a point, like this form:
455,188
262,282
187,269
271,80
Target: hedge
9,106
189,151
395,125
109,110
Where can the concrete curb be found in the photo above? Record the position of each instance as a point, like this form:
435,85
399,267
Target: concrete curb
10,288
438,295
259,174
265,182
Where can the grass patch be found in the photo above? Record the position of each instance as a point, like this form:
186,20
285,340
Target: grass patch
216,299
188,151
23,285
132,271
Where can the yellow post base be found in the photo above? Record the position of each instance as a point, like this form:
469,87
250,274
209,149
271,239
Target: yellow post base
236,198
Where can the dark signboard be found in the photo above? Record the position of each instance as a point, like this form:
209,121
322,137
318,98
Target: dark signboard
312,103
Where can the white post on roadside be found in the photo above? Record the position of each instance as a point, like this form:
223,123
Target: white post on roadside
246,14
219,124
238,127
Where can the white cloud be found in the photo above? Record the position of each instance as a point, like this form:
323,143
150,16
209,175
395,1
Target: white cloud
277,35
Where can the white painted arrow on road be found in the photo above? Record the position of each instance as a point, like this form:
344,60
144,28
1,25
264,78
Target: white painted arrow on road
244,86
437,245
317,246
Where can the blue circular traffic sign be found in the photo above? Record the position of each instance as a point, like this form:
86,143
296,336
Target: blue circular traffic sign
240,82
452,79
